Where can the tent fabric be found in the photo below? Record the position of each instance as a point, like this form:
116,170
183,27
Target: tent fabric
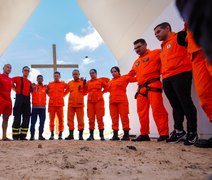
13,15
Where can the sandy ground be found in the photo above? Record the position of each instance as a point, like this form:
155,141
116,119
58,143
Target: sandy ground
103,160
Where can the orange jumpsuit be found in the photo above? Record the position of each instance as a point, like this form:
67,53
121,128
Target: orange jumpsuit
56,93
76,104
118,101
95,105
202,74
147,68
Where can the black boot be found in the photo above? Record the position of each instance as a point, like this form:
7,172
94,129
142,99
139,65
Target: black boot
115,136
41,136
142,138
23,137
126,136
70,136
81,135
60,135
91,138
101,134
52,136
32,136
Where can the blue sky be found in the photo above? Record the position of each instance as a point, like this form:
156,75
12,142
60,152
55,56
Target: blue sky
62,23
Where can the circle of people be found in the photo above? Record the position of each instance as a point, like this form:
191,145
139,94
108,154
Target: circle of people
175,61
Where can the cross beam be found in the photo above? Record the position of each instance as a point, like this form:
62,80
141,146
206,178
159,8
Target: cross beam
54,65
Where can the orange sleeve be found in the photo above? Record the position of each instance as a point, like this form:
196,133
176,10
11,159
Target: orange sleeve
66,89
47,89
104,81
132,72
130,79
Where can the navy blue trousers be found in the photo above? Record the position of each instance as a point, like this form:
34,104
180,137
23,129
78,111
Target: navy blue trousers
41,112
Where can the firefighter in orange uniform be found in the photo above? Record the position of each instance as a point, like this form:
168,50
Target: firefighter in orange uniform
95,104
202,76
203,82
57,90
38,107
119,105
6,84
147,70
76,104
177,79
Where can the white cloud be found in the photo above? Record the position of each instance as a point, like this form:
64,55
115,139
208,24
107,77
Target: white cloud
60,62
88,61
91,40
33,75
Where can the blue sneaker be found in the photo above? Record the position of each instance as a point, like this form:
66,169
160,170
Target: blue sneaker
176,137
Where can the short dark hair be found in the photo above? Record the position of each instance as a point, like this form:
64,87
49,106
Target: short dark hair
142,41
25,67
116,68
39,76
93,70
76,70
164,25
56,72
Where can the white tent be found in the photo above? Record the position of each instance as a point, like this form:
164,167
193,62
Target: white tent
119,22
13,15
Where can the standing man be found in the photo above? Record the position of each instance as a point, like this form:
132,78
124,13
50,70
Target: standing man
76,104
6,84
95,88
177,79
22,107
147,70
57,90
38,107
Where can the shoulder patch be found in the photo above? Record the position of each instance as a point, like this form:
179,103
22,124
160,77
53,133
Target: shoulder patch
168,46
137,63
145,59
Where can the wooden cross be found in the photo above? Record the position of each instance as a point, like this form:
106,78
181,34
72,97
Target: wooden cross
54,65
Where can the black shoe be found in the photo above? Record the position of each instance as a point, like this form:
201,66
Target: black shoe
23,139
101,134
162,138
142,138
70,136
52,136
176,137
41,138
81,135
191,138
60,136
126,136
90,138
16,138
32,136
204,143
115,136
